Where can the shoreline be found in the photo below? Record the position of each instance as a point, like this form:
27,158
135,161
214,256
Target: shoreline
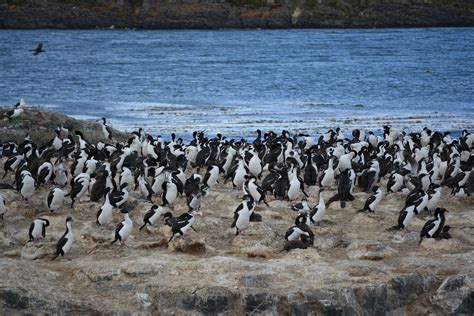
234,14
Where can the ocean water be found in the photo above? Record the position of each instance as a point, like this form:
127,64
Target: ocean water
235,81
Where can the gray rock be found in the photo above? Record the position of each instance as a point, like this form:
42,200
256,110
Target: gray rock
455,296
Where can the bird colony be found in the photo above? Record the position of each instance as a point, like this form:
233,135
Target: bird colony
149,188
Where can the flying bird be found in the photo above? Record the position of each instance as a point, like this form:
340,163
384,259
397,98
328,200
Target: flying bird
38,49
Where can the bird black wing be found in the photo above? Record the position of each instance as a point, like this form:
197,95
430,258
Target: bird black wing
147,216
109,130
401,217
42,175
50,198
289,232
31,230
368,202
297,207
76,188
115,197
427,227
185,217
60,244
180,223
390,183
117,230
206,177
239,208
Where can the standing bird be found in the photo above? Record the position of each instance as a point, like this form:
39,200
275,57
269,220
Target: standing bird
373,201
79,186
317,213
170,192
145,188
242,215
152,215
65,243
38,229
434,227
55,199
406,216
104,214
124,228
211,178
27,186
326,178
11,114
194,199
38,49
343,190
106,130
255,190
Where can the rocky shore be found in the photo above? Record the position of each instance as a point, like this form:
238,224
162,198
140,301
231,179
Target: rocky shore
217,14
357,265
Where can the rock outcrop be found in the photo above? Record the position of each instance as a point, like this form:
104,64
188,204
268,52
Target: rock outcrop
212,14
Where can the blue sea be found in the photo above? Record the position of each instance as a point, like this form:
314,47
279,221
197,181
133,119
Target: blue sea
235,81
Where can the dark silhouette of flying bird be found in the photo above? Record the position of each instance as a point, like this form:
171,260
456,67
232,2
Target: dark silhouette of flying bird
38,49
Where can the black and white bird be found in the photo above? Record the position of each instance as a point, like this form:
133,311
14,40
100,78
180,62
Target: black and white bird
106,130
126,176
145,188
104,214
406,216
55,199
255,190
16,112
38,229
64,244
45,173
242,215
211,178
317,213
152,215
434,227
373,201
295,232
344,186
79,186
182,224
395,182
301,207
326,179
124,228
194,199
170,192
434,196
3,206
119,197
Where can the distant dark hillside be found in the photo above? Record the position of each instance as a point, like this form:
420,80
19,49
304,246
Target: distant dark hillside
203,14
